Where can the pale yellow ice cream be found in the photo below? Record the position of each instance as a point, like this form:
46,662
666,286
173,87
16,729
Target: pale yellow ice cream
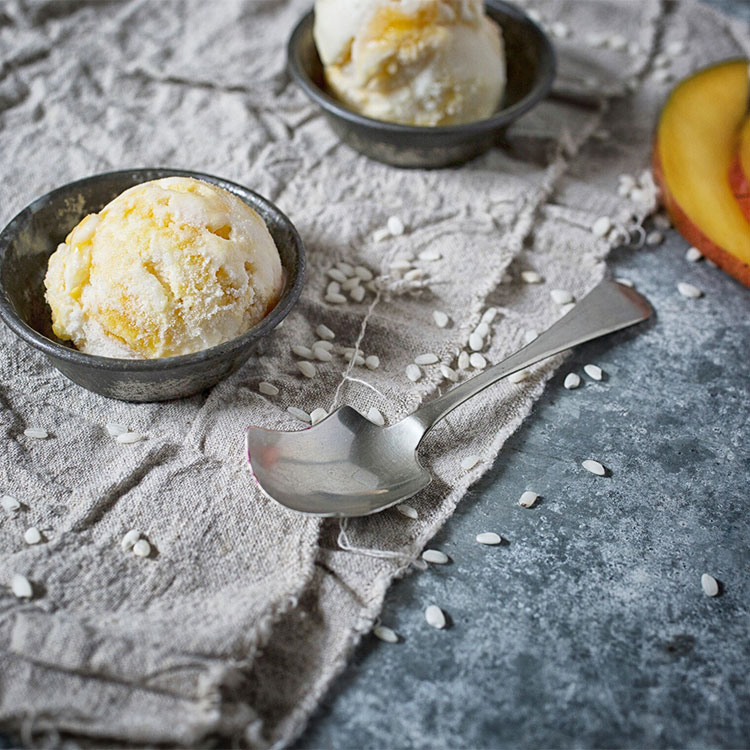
168,267
415,62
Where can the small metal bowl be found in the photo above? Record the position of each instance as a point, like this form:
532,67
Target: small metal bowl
531,65
28,241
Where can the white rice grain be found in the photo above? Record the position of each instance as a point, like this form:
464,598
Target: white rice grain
413,373
336,275
363,273
21,586
531,277
561,296
357,294
476,342
440,318
32,535
128,438
9,503
572,381
594,467
489,537
307,369
385,634
38,433
303,351
528,499
429,255
408,511
689,291
518,377
372,362
464,361
594,371
299,414
693,255
435,556
426,359
395,226
709,585
325,332
375,416
115,429
141,548
601,227
316,415
449,373
477,361
130,538
435,617
268,389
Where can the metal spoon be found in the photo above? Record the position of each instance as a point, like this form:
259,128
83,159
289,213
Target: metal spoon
347,466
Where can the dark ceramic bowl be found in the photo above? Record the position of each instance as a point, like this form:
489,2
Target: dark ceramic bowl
28,241
530,61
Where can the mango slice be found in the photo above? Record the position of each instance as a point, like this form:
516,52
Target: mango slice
696,142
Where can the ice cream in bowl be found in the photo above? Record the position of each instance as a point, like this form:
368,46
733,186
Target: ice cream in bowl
421,83
148,284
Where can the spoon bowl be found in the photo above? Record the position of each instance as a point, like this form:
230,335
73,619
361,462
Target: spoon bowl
343,466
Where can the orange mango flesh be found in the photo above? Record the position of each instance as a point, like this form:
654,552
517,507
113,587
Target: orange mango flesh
739,172
696,141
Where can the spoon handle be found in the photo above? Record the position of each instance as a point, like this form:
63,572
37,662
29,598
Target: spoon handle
608,307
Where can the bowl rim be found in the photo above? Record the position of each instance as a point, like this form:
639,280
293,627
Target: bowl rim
547,65
289,297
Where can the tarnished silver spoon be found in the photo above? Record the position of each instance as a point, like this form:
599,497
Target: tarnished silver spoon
347,466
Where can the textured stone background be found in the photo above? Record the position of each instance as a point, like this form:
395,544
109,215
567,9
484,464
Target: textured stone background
590,628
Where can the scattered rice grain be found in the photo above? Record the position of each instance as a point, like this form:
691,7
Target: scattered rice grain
363,273
381,234
352,283
693,255
268,389
9,503
489,315
372,362
316,415
335,299
489,537
321,354
625,282
476,342
115,429
594,467
561,296
130,538
21,586
426,359
464,361
709,585
594,371
325,332
440,318
435,617
435,556
375,416
307,369
336,275
572,381
299,413
358,293
303,351
344,267
32,535
429,255
601,227
385,634
413,373
333,288
518,377
128,438
408,511
141,548
528,499
654,238
477,361
395,226
38,433
688,290
449,373
531,277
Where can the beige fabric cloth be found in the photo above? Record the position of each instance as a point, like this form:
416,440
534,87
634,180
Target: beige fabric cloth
245,613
